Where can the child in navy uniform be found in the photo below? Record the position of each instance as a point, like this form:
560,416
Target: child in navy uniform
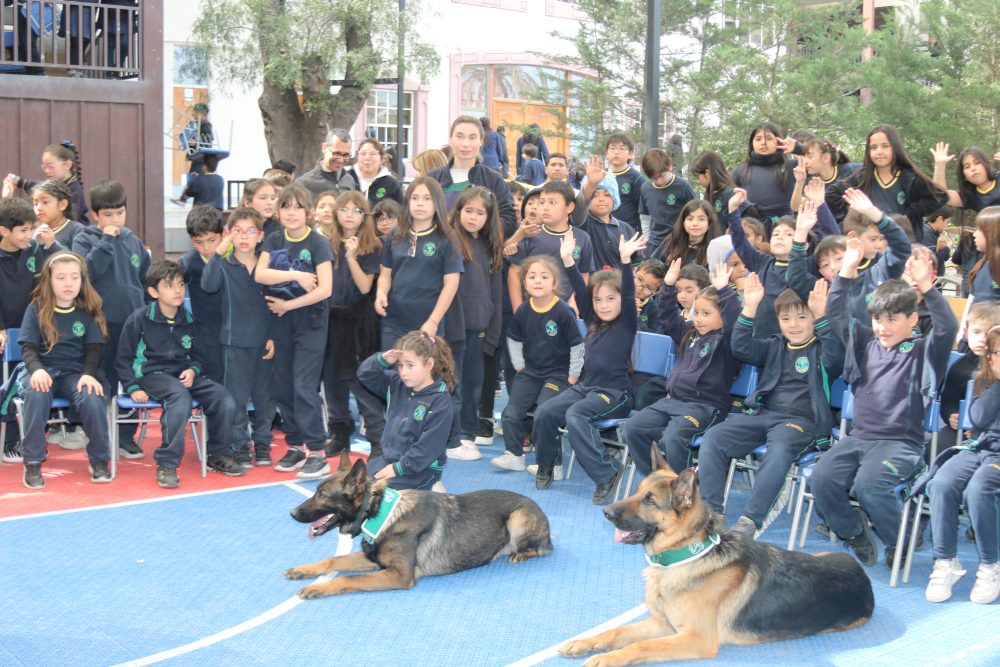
21,261
117,262
205,228
296,266
662,197
698,386
604,230
603,391
53,203
261,195
246,347
984,277
61,339
619,150
158,359
789,411
532,170
417,375
891,374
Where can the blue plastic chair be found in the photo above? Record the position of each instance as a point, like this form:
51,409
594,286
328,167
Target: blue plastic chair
126,411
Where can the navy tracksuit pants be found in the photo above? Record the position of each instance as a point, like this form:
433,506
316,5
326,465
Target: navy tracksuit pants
974,475
91,408
675,424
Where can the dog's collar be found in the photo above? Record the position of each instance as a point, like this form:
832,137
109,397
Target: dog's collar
373,525
362,512
675,557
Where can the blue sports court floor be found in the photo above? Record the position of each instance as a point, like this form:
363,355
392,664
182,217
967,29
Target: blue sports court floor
197,579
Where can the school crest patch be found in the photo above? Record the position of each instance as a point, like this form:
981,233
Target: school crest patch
429,249
901,199
135,261
802,365
718,206
671,199
906,346
380,193
186,342
703,351
644,318
420,413
79,329
305,255
868,298
576,252
551,328
626,188
31,264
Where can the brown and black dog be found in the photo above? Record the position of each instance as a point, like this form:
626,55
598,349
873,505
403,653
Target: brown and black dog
705,588
427,533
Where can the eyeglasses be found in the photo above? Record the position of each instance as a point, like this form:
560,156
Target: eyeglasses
369,154
643,285
346,209
52,165
245,233
343,156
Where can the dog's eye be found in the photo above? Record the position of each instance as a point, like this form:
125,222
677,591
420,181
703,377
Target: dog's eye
649,499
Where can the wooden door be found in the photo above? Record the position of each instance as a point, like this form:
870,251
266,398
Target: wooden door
510,113
185,97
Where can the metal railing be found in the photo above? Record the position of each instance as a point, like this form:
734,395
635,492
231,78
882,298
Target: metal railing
78,38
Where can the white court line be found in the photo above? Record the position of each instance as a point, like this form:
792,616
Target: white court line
344,543
553,651
143,501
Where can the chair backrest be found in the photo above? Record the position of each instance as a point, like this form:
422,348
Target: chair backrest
847,405
12,351
964,423
838,391
746,383
653,354
931,415
582,326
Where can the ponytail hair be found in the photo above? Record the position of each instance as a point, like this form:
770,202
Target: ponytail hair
435,348
66,150
60,191
827,147
88,299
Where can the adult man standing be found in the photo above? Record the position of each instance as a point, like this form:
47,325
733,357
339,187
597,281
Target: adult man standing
330,171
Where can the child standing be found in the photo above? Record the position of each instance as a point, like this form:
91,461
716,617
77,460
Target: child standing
477,223
54,207
970,472
205,188
698,386
158,359
604,230
603,391
353,334
662,197
766,173
387,214
60,162
976,176
205,229
883,364
546,351
417,375
421,266
21,261
260,195
790,409
61,340
296,266
246,347
984,277
619,150
326,213
710,170
117,262
532,170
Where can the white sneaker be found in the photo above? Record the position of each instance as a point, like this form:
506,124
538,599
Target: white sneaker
55,437
74,440
465,452
508,461
944,575
439,488
987,586
557,473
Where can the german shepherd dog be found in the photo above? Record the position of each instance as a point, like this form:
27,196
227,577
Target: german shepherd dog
705,588
428,533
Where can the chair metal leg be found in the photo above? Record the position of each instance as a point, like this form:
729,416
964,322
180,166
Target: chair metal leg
918,514
900,541
805,523
729,484
113,435
796,516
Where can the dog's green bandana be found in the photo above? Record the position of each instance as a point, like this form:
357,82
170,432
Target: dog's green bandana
372,526
675,557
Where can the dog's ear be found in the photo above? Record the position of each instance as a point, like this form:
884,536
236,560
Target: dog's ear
345,463
659,463
683,489
356,477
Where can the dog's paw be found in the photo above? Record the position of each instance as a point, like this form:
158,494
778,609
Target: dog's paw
602,660
578,647
313,592
297,573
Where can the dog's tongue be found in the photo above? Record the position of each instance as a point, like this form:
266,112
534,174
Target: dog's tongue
315,524
620,534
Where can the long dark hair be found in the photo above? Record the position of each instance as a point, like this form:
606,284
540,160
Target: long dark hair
988,222
711,163
676,244
405,226
779,173
900,160
968,189
491,232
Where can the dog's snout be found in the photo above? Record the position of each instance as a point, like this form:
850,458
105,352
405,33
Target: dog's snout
612,513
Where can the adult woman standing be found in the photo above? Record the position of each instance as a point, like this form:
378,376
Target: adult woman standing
494,150
374,180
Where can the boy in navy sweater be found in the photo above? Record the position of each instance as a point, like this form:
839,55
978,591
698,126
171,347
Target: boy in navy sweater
619,149
21,260
605,231
789,411
204,227
532,169
245,345
158,359
117,262
662,197
893,375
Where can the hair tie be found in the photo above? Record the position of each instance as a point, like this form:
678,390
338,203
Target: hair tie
65,255
66,143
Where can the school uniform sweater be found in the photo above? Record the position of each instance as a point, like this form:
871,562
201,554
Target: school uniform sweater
206,189
417,422
906,193
930,239
547,242
705,366
769,182
981,198
205,306
660,206
488,178
891,385
19,271
983,286
609,346
67,231
419,264
818,362
545,338
630,182
77,350
244,317
956,382
984,413
834,200
604,238
479,295
152,343
117,266
649,316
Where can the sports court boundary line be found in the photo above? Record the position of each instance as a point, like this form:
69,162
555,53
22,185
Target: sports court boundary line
344,544
553,651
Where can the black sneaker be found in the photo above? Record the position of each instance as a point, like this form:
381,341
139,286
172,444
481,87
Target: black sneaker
543,477
262,454
863,545
167,478
242,456
315,466
33,476
100,473
375,451
484,434
227,465
291,461
603,492
12,452
340,439
130,450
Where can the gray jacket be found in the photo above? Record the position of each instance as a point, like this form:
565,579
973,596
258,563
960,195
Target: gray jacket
319,180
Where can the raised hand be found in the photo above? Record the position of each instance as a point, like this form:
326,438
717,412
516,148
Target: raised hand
351,247
860,202
739,196
45,235
786,145
817,298
852,256
627,248
595,169
921,271
806,219
940,153
720,276
228,241
815,191
799,171
673,272
391,357
567,246
753,292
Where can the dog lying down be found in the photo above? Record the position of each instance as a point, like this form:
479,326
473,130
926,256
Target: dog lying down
411,534
705,588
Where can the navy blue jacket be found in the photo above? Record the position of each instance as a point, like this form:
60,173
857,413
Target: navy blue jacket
604,237
243,309
205,306
117,266
206,189
151,343
608,347
479,297
984,287
488,178
416,424
19,272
